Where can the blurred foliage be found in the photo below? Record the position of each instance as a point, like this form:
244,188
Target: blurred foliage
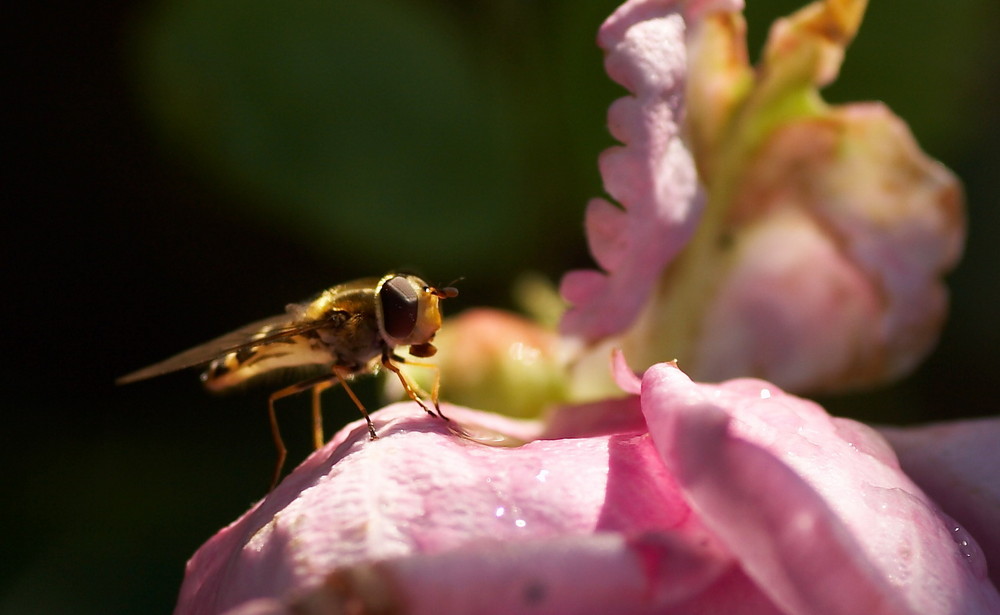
199,163
387,132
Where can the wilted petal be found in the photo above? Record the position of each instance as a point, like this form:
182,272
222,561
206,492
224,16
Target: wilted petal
958,464
816,510
808,46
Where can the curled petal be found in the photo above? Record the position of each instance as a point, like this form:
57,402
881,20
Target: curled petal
824,524
625,377
651,176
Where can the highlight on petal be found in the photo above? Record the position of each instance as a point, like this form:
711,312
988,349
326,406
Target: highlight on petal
652,176
822,523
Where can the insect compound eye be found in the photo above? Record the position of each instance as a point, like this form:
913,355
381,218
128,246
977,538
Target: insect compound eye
400,305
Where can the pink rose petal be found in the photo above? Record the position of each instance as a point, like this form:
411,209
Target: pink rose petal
681,497
818,219
647,574
745,500
652,176
801,315
958,464
420,489
846,231
822,524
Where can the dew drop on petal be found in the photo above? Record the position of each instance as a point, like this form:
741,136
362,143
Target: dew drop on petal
967,546
765,393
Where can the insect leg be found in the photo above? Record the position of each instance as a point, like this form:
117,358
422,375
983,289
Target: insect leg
435,390
317,411
357,402
410,390
275,431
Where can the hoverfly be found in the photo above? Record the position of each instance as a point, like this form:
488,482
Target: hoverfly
350,329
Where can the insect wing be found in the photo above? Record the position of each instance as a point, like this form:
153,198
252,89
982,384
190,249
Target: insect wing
254,334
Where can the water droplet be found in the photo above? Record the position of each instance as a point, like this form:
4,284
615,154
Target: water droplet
961,539
967,546
542,476
520,522
500,511
765,393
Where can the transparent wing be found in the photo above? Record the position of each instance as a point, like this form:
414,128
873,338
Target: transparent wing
254,334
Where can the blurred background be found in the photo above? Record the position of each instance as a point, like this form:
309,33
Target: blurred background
179,168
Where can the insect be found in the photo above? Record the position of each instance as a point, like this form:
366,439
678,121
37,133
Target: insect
350,329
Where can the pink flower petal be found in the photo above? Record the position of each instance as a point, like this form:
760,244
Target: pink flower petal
652,176
419,489
958,464
801,315
745,500
823,525
867,225
624,376
595,419
817,218
647,574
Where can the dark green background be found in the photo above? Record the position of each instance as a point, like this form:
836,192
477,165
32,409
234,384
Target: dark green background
183,167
